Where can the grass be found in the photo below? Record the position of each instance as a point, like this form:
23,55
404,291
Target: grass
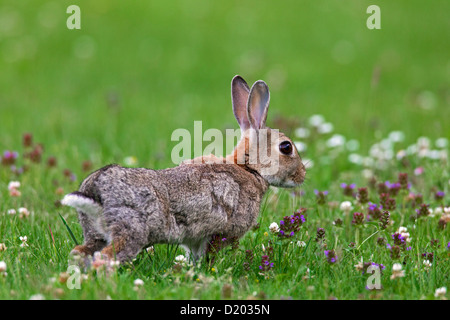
134,73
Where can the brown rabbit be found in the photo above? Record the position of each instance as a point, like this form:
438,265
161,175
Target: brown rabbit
123,210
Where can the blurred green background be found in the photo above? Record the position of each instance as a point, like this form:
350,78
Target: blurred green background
136,71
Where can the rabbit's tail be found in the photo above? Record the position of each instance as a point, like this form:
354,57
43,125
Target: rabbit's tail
81,202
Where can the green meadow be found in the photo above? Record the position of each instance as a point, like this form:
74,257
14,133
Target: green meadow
367,108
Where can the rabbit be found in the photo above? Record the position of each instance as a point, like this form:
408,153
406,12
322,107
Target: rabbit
124,210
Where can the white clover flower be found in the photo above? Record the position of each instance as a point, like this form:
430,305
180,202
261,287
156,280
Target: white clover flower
138,282
301,147
325,128
23,212
403,231
274,228
440,292
13,185
441,143
11,211
2,266
433,154
438,211
180,259
367,173
337,140
308,163
301,244
316,120
427,264
355,158
302,132
346,206
423,143
397,271
396,136
150,250
401,154
24,240
37,297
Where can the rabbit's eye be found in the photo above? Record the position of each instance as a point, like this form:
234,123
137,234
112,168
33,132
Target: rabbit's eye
286,147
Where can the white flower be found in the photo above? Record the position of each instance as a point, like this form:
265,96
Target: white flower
355,158
11,211
397,271
301,147
441,143
180,259
423,143
316,120
301,244
302,132
37,297
2,266
401,154
23,212
427,264
325,128
337,140
438,211
13,185
138,282
440,292
24,241
367,173
404,233
274,228
396,136
150,250
308,163
346,206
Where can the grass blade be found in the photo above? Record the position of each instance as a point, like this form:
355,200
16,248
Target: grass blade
68,229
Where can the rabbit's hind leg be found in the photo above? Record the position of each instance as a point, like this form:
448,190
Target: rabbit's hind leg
128,232
94,239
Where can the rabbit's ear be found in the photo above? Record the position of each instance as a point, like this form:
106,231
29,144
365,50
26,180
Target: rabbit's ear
258,104
239,98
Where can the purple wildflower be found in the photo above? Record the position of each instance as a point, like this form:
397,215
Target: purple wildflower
423,210
394,188
384,219
348,189
321,196
266,265
438,196
373,212
363,195
403,180
320,235
291,224
9,157
358,218
331,256
398,239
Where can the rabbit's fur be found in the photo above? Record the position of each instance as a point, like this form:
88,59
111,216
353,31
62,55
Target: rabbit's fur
123,210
